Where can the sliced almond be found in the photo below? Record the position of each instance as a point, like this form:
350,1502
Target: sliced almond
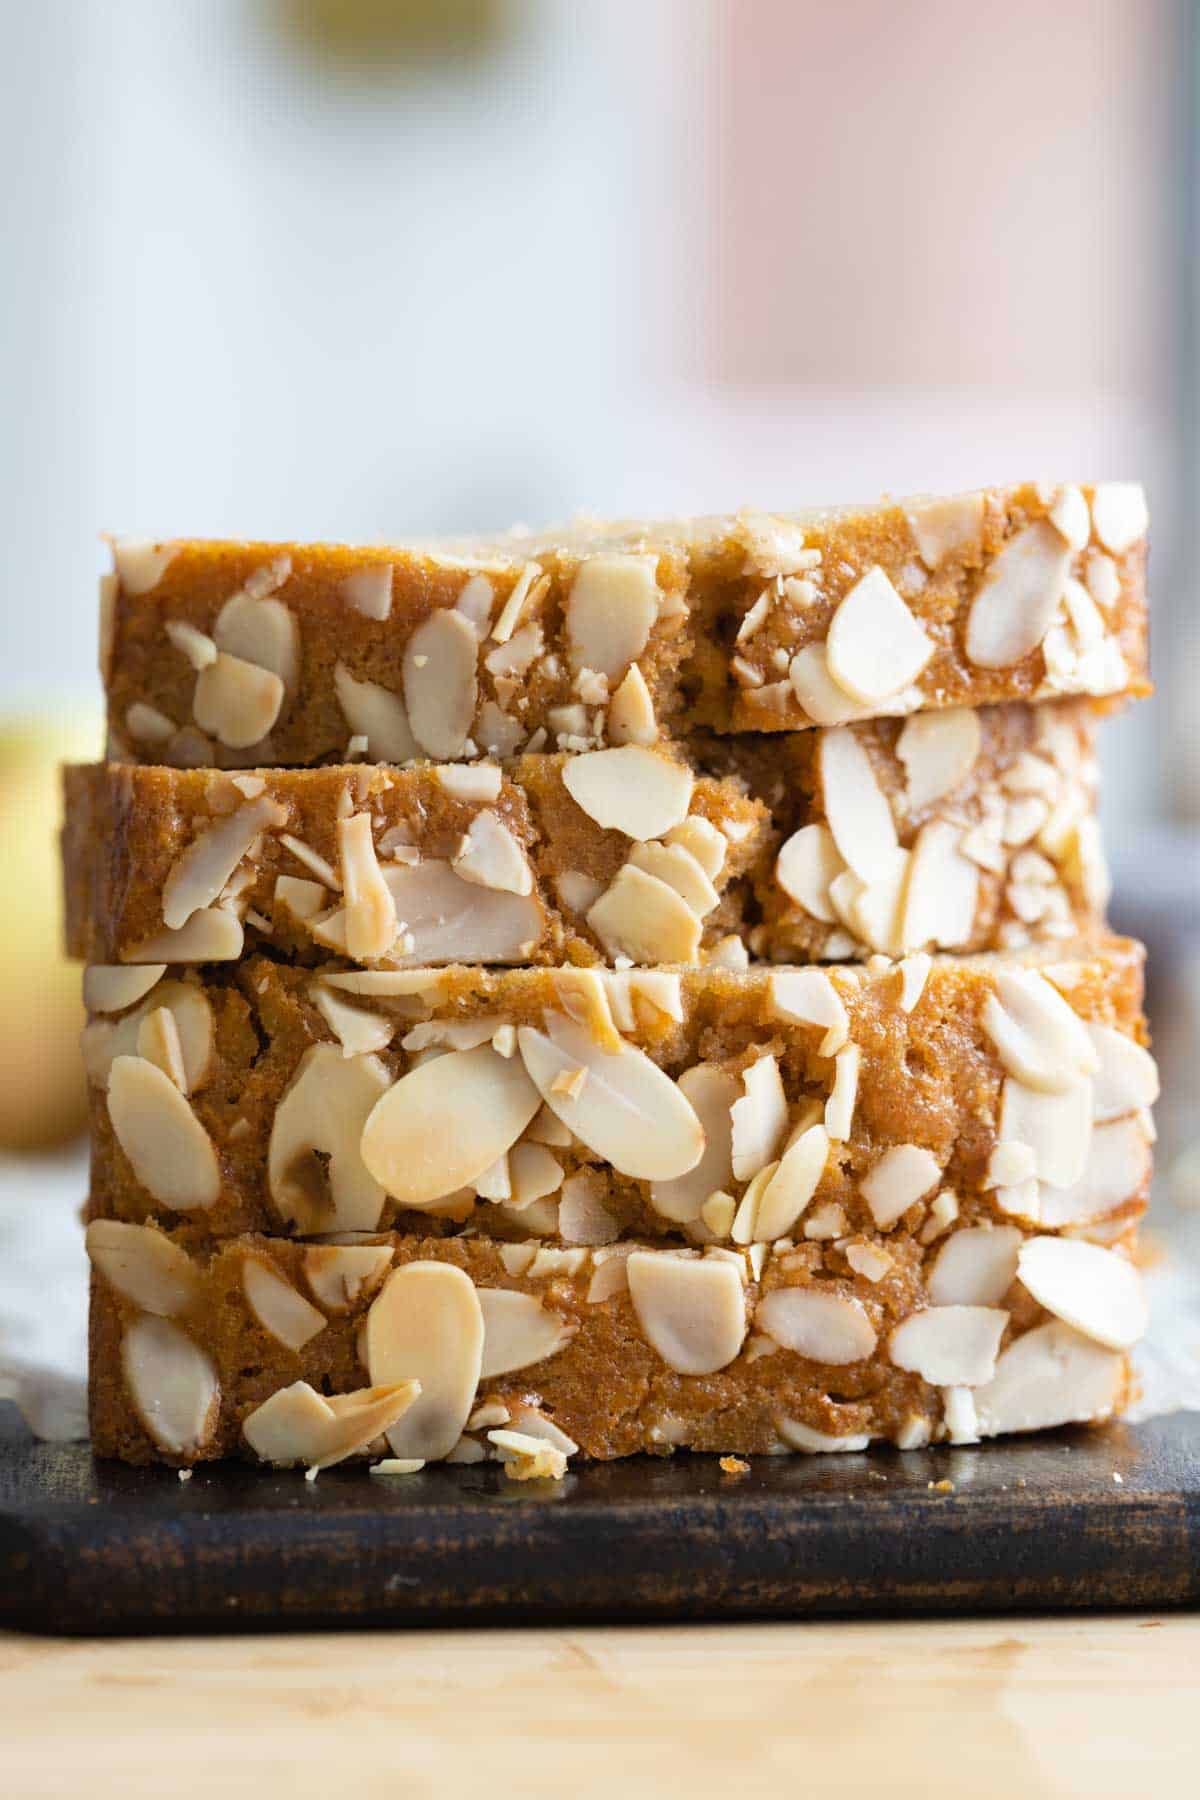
518,1332
1120,514
1117,1170
627,1110
1056,1126
583,1217
1050,1376
877,908
809,997
938,750
974,1267
902,1175
196,645
1040,1040
875,647
490,856
856,807
316,1175
631,711
942,893
1017,596
1069,516
170,1152
584,997
818,693
377,714
440,686
534,1173
370,909
427,1320
645,919
278,1307
950,1346
172,1383
490,1100
839,1108
201,872
145,1266
947,527
369,591
610,609
470,781
236,701
260,631
358,1031
1127,1076
807,862
340,1274
158,1041
711,1092
1096,1291
634,790
827,1327
702,839
799,1436
759,1118
141,563
146,725
675,864
793,1184
298,1425
691,1309
914,973
109,987
447,919
212,935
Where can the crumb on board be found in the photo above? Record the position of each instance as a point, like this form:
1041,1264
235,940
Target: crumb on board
735,1465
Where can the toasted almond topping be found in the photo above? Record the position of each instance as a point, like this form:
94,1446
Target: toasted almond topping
711,1092
1050,1376
428,1320
839,1108
369,591
871,1261
528,1458
691,1309
491,857
809,997
475,602
341,1274
315,1173
518,1331
108,987
298,1425
1117,1170
628,1111
277,1306
1069,516
631,711
1096,1291
525,585
759,1118
793,1184
144,1266
634,790
1120,514
1056,1126
947,527
675,864
370,909
201,872
141,563
303,899
236,701
196,645
943,890
1010,1164
146,725
875,647
158,1041
212,935
262,632
583,1217
798,1436
938,750
1017,596
902,1175
533,1424
807,863
1038,1037
358,1032
950,1346
172,1384
170,1151
584,997
533,1173
440,687
389,984
449,919
827,1326
377,714
470,781
819,694
975,1267
610,609
914,973
645,919
1127,1077
490,1100
856,807
397,1465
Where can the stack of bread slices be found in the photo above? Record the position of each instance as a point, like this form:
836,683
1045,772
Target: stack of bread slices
639,987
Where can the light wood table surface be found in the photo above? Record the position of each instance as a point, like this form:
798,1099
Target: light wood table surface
1093,1706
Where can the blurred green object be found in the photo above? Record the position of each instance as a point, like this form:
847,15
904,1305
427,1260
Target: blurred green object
370,33
42,1091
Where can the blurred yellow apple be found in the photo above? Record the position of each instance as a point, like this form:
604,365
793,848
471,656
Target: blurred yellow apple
42,1092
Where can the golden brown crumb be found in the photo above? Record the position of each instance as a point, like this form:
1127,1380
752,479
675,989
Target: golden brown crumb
735,1465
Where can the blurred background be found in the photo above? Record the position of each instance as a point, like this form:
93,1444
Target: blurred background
365,268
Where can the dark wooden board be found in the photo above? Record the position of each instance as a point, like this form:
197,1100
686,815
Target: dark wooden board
1030,1523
